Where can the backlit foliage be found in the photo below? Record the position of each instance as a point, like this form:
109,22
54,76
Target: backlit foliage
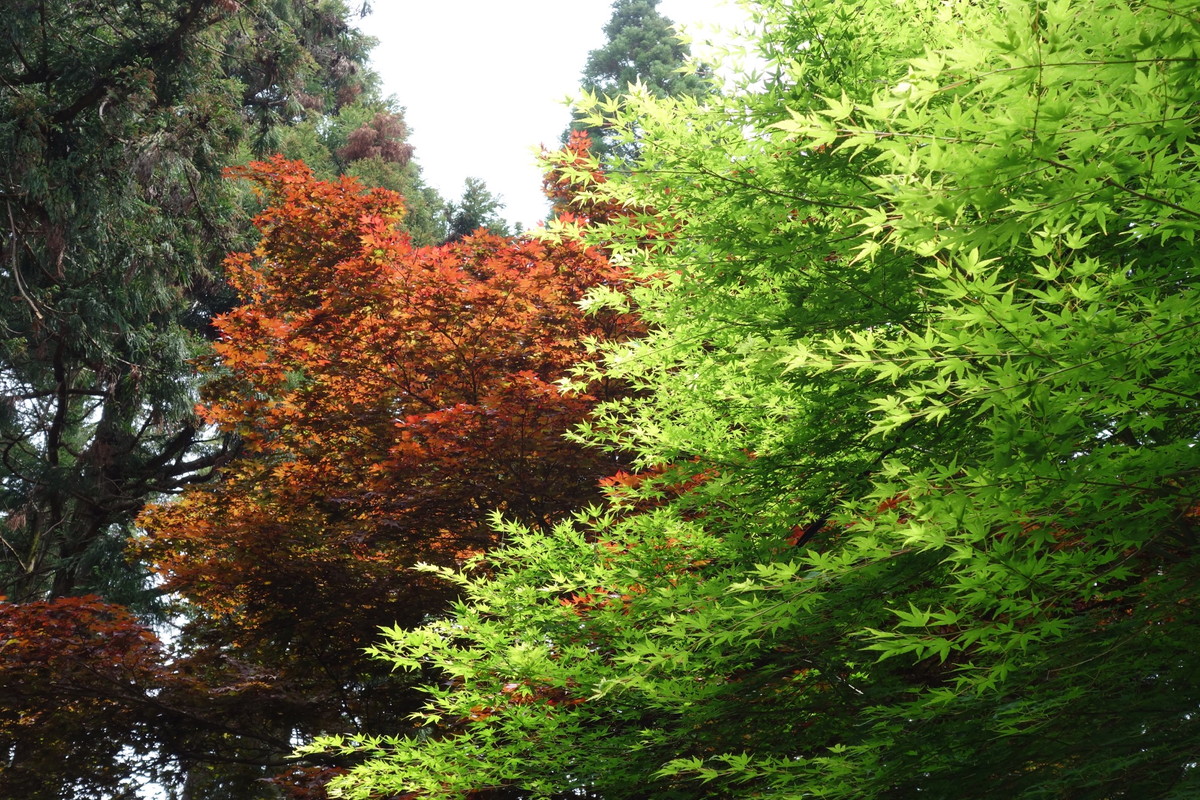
921,358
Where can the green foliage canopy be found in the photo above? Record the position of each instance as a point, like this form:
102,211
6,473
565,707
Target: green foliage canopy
917,421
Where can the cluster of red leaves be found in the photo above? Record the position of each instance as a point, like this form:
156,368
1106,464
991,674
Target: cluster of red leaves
525,693
389,398
575,184
655,486
90,692
384,137
70,641
69,669
581,603
307,783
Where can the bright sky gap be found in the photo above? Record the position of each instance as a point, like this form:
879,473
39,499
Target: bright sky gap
485,83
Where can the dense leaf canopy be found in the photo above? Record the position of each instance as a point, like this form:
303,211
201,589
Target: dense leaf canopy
916,416
840,443
389,399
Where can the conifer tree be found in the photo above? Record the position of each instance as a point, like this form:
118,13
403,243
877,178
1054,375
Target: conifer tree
641,48
117,120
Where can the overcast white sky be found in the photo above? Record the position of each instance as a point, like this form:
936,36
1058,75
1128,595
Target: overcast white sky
483,81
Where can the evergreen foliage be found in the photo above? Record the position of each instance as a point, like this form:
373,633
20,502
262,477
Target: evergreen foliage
477,209
642,49
112,206
116,121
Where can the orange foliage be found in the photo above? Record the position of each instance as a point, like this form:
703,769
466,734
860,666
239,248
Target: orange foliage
388,398
575,186
572,180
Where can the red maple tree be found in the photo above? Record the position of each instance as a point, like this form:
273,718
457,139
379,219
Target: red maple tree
389,399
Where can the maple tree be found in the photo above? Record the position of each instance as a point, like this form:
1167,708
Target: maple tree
389,399
921,354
